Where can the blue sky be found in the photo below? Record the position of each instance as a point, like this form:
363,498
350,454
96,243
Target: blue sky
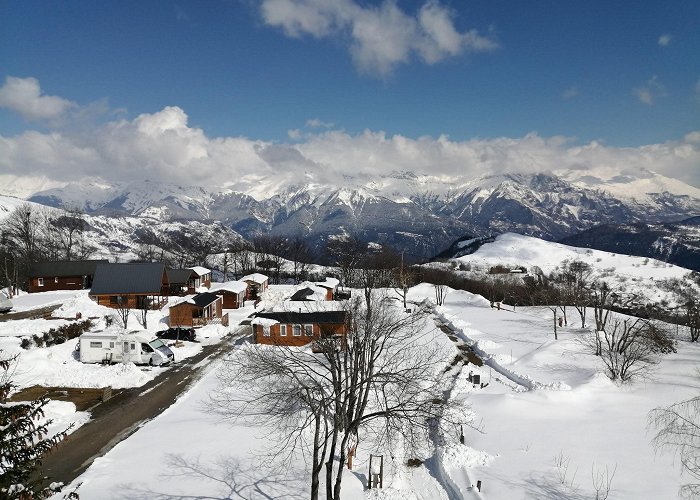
626,74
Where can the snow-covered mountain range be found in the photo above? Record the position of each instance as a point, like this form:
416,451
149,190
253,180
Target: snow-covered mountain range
418,213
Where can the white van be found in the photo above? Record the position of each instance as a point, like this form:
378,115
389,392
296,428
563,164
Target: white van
5,303
110,347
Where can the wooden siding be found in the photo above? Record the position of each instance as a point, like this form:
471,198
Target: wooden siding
186,314
231,300
52,283
328,329
133,301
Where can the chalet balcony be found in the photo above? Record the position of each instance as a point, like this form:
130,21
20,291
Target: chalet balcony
197,322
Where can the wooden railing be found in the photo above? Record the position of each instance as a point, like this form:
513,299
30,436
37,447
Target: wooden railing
211,321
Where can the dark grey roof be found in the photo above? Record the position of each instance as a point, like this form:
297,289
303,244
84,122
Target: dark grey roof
204,299
302,294
178,276
320,317
141,278
61,268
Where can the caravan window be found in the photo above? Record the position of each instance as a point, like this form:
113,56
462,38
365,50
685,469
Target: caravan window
297,330
146,348
111,345
40,281
283,330
96,344
309,330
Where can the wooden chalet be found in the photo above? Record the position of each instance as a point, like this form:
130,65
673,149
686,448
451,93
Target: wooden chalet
232,293
257,284
62,275
181,282
202,277
134,285
198,310
289,328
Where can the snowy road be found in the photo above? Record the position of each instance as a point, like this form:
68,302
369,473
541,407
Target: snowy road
116,419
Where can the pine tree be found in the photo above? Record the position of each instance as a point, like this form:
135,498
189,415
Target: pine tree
24,440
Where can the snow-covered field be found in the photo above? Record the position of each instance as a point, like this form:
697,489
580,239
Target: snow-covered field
546,401
628,275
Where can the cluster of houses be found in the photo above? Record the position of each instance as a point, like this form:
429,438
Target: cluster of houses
309,313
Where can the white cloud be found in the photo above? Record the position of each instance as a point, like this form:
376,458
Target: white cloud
163,146
665,40
23,95
380,37
318,123
650,91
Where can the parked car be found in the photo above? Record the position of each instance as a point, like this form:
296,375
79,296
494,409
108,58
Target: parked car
177,333
5,303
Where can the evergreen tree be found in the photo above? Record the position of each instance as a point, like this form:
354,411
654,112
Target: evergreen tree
24,440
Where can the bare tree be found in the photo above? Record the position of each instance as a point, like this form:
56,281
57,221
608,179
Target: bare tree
346,254
627,347
687,295
440,293
299,254
123,310
68,229
576,279
678,430
371,384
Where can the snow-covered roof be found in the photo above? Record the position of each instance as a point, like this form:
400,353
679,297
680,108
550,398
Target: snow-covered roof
255,278
201,271
307,291
230,286
263,321
331,283
306,306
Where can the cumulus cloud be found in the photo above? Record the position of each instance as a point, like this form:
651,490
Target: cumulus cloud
664,40
24,96
380,37
163,146
650,91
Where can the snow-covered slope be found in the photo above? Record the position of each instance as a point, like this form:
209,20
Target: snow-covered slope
416,212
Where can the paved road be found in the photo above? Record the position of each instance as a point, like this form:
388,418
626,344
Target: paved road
118,418
31,313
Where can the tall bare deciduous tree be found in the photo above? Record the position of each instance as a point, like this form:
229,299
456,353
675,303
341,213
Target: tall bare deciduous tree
678,430
687,294
376,383
576,277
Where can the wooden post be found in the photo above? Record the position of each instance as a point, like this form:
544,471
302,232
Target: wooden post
478,485
461,434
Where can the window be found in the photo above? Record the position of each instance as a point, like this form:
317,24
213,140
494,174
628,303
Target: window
283,330
297,330
266,331
55,280
111,345
309,330
97,345
146,347
40,281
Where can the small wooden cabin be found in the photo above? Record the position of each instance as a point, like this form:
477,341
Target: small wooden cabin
180,282
232,293
202,277
199,310
62,275
132,285
298,328
257,284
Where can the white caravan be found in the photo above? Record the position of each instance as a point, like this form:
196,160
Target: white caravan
110,347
